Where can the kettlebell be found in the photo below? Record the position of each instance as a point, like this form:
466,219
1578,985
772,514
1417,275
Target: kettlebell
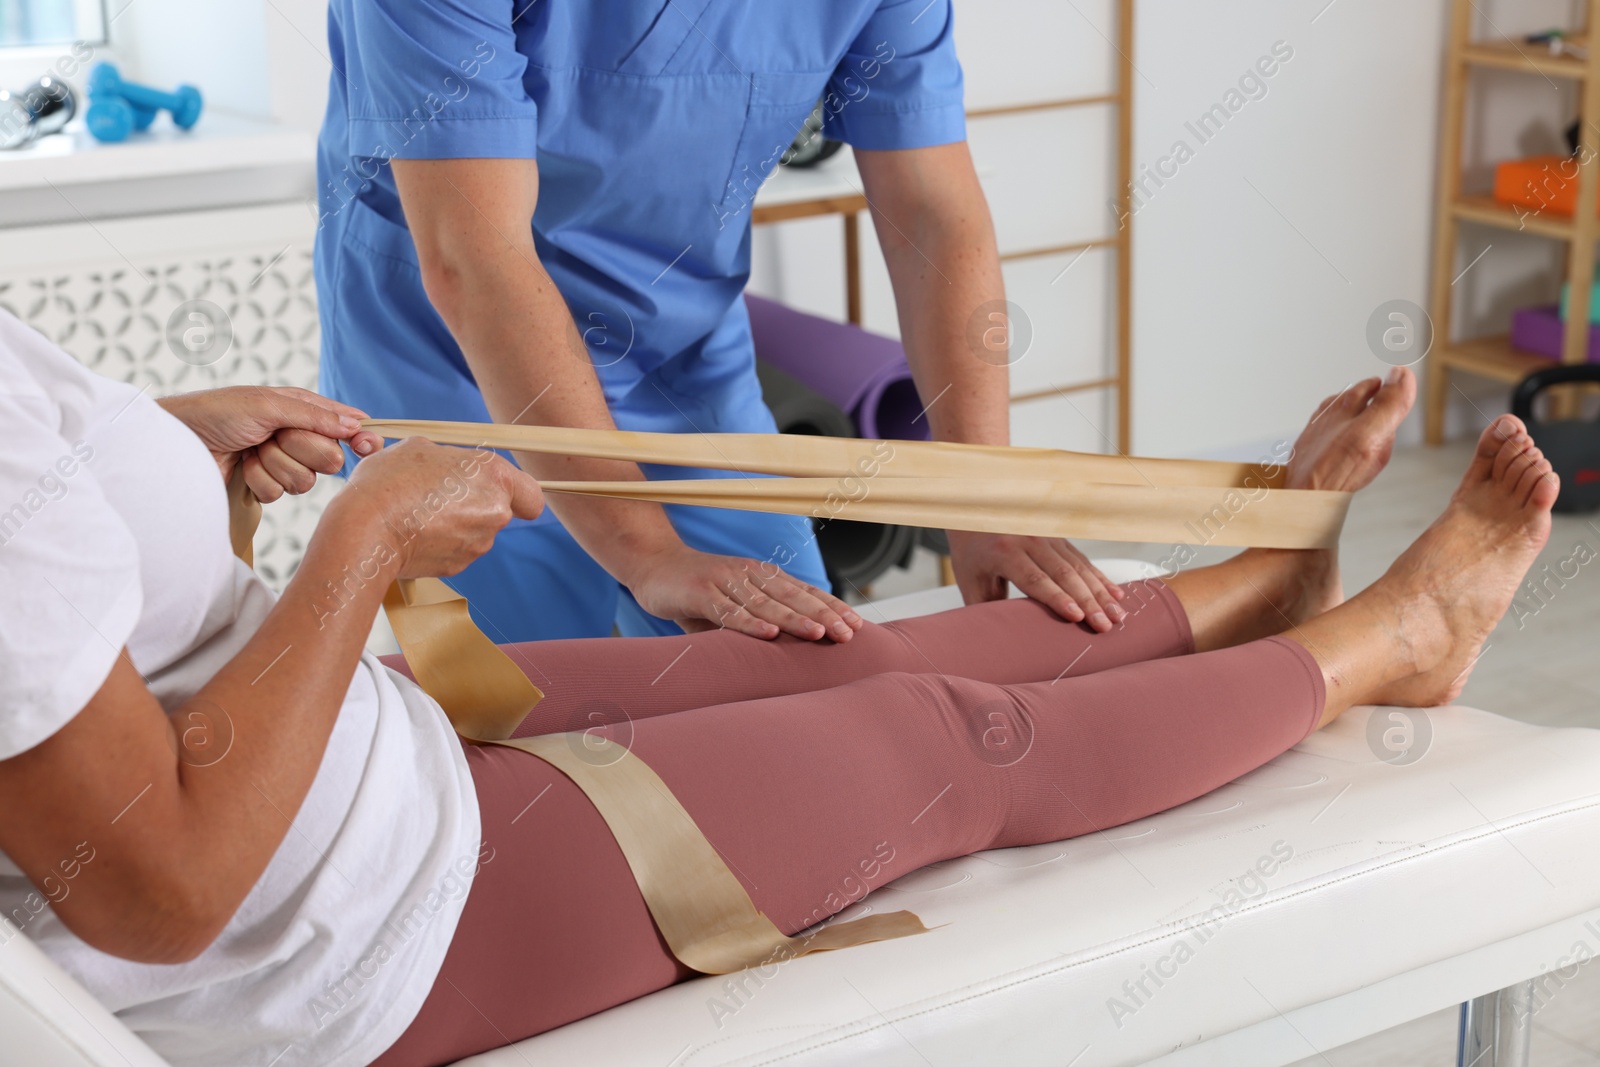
1571,445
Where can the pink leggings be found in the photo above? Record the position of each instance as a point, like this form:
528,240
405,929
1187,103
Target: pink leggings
821,771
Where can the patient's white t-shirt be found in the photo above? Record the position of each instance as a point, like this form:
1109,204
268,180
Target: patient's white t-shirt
113,533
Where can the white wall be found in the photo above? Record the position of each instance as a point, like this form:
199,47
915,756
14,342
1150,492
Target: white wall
1257,266
297,50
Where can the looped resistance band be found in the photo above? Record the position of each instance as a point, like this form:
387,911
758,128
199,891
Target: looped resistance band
986,488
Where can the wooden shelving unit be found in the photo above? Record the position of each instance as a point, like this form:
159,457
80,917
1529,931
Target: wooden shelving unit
1493,357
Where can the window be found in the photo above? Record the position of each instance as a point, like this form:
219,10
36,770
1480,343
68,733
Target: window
43,23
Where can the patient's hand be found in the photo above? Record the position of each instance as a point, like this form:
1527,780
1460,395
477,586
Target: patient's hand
284,436
437,508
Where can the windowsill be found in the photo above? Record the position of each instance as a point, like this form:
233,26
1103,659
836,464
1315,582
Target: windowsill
226,160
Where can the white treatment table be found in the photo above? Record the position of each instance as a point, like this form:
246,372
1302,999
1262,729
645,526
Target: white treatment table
1394,889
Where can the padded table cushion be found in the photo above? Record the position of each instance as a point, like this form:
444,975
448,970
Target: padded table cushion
1118,947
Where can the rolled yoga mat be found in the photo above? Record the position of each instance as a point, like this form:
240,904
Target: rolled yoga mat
865,374
854,553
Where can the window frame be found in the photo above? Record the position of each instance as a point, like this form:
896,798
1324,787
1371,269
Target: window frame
22,64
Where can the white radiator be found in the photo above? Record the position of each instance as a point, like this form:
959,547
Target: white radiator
105,290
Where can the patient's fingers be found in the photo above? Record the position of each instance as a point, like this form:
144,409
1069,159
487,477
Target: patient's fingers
293,476
311,450
341,410
263,485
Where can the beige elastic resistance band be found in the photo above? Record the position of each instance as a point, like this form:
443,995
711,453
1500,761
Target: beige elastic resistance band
701,909
947,486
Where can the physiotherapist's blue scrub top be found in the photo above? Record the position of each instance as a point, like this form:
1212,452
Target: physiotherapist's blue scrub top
653,124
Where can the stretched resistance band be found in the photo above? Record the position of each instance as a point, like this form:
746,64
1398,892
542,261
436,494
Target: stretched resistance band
949,486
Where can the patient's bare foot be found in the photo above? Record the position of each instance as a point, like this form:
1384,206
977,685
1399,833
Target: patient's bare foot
1351,435
1347,442
1443,596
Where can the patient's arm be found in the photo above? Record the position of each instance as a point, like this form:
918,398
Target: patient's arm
178,846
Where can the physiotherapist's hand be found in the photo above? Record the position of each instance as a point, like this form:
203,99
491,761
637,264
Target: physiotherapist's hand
701,591
1048,569
436,508
284,436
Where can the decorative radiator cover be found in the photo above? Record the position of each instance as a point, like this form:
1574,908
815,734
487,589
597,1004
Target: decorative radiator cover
104,291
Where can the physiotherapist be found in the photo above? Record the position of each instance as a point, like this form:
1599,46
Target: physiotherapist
538,211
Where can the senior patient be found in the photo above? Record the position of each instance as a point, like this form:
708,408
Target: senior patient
255,842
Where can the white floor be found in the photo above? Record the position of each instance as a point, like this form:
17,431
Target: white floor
1542,667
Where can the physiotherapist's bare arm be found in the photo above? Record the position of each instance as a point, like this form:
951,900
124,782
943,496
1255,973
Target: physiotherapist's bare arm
938,240
471,220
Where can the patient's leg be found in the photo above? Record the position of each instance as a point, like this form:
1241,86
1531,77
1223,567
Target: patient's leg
600,680
814,798
1414,635
1262,592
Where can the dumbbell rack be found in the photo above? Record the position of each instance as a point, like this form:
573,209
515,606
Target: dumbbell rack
1493,357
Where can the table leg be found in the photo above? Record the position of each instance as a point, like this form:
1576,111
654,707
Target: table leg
1497,1028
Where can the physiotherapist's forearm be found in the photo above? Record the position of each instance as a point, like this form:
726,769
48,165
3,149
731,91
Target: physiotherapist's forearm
938,242
524,350
967,397
482,274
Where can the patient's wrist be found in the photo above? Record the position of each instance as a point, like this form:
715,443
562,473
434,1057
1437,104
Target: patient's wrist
358,538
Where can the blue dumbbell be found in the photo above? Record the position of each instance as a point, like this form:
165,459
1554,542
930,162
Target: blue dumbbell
118,108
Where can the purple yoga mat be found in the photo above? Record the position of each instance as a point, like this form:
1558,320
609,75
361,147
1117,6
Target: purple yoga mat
1539,329
864,373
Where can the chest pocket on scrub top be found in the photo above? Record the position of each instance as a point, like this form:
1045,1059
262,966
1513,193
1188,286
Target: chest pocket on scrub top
738,110
778,105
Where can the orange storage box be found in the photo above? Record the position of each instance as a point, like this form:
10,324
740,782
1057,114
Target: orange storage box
1542,183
